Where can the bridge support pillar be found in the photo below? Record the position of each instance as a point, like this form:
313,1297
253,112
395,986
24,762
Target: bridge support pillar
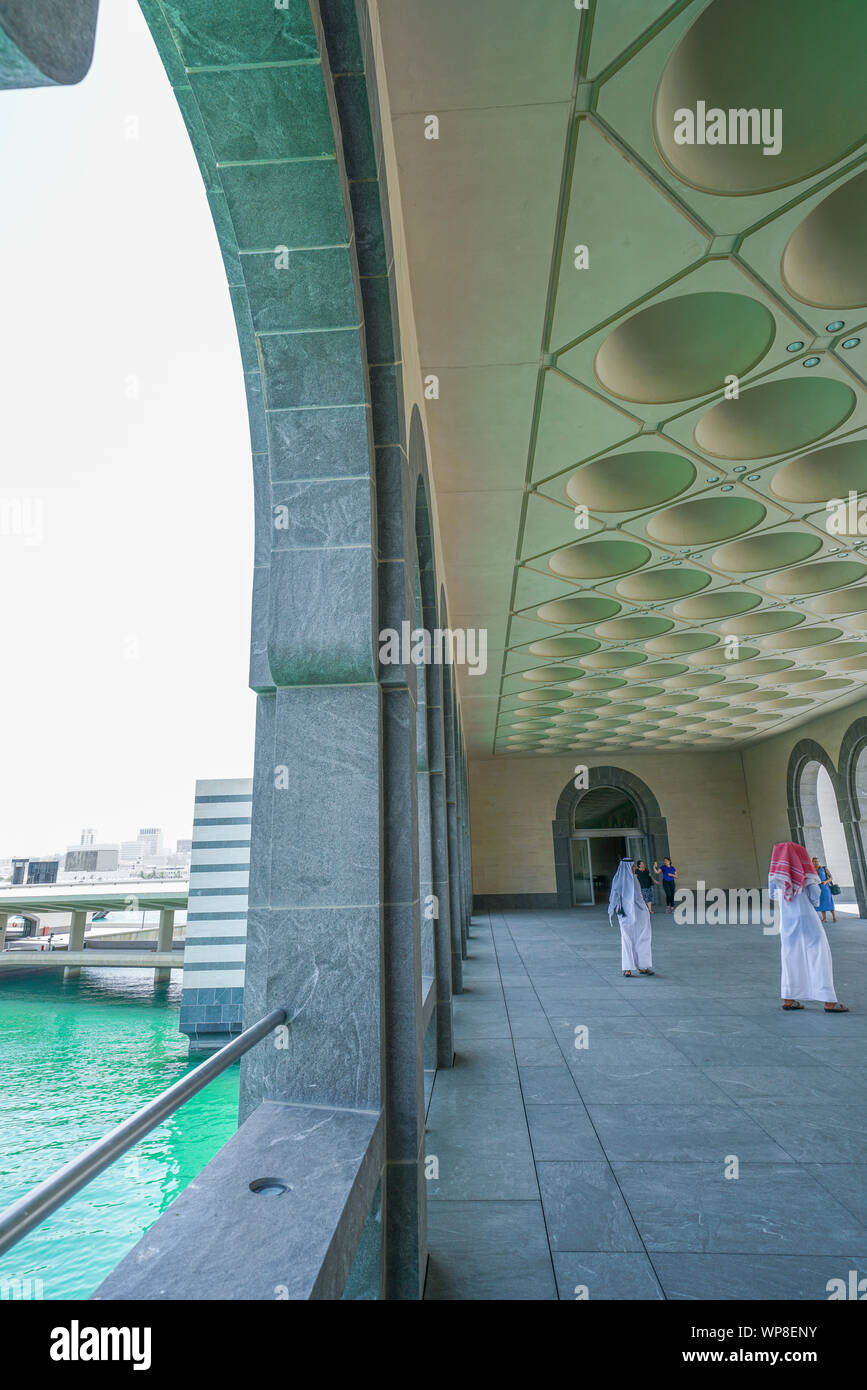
76,943
165,936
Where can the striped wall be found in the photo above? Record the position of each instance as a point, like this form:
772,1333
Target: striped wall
215,949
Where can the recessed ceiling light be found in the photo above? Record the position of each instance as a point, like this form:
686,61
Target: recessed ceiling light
851,343
741,468
810,362
754,478
714,479
727,488
794,347
835,326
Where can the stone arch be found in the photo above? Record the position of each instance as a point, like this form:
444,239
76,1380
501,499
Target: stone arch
852,796
651,821
805,825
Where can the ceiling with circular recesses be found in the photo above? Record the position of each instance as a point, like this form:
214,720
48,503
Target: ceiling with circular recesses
662,497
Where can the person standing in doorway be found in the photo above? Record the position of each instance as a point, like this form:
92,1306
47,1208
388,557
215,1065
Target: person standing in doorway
669,879
826,897
807,972
645,882
627,905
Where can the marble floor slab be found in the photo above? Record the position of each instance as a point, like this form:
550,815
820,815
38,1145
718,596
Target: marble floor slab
697,1144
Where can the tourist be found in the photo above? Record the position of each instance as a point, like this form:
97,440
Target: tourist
628,906
669,878
826,897
806,956
645,883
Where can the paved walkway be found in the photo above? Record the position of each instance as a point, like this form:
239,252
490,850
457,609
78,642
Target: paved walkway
605,1167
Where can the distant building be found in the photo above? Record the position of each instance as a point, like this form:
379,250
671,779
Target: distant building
38,870
87,838
184,847
150,841
97,859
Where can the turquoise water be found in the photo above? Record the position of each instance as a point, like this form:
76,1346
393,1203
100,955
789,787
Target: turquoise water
76,1058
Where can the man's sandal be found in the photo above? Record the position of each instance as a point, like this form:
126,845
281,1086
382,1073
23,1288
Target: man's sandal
836,1009
793,1005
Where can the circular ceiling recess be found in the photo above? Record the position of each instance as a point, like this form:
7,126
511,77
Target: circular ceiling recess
825,474
629,629
858,663
721,656
663,670
775,418
677,642
793,677
552,673
583,702
612,661
764,666
737,49
759,697
760,623
694,682
596,683
770,551
814,579
738,688
684,347
543,697
663,583
791,704
836,651
853,601
637,692
825,687
787,641
705,519
625,708
678,700
598,559
563,646
722,604
824,263
628,482
572,612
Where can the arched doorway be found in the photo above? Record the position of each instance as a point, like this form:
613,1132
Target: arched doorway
614,814
833,850
605,828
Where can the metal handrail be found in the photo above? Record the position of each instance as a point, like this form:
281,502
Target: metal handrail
32,1209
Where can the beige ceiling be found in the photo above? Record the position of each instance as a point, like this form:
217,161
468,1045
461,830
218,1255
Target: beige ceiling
696,596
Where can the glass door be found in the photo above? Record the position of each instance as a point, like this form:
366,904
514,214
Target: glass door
582,877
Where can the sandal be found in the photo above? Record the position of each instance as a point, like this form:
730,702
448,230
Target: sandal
836,1009
627,974
793,1005
647,972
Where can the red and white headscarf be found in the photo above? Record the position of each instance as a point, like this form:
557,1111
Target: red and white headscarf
791,868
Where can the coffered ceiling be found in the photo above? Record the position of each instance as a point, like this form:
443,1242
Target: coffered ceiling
633,460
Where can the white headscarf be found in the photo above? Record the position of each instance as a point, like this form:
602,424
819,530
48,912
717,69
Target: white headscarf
622,899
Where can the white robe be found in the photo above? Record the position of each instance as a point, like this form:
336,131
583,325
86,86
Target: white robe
806,956
628,907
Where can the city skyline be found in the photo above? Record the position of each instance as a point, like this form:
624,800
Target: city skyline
125,488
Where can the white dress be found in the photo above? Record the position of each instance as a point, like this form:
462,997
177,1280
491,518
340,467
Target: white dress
628,908
807,972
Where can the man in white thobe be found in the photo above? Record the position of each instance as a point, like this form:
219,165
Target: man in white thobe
807,972
630,910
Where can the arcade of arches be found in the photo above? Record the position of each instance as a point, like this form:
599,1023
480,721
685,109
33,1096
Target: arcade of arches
452,235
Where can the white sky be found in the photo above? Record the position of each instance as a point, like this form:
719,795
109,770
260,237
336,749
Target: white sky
110,269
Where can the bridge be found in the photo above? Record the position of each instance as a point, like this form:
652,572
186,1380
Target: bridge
165,896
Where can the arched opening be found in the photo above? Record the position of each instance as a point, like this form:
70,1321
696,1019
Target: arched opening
834,852
609,813
606,825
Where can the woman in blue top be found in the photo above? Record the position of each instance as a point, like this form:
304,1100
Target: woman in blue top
669,877
826,897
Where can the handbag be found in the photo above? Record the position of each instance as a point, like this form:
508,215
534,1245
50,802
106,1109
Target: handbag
835,889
